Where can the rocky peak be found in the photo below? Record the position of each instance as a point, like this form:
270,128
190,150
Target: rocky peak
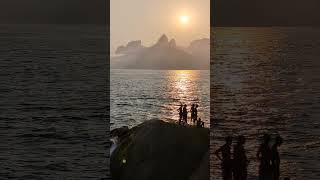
131,47
172,43
134,44
163,39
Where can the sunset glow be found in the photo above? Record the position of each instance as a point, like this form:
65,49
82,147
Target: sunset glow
184,19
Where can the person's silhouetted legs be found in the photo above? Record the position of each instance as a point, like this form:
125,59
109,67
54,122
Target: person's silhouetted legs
240,161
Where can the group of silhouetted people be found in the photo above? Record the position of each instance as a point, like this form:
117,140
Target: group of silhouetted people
183,115
269,157
235,167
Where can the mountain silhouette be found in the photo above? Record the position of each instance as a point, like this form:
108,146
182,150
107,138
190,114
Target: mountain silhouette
131,47
164,54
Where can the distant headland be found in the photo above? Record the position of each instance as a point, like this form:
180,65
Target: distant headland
164,54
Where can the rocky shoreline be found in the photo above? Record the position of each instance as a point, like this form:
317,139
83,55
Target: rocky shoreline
160,150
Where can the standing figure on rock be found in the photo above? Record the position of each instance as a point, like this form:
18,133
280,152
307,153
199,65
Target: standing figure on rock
264,155
180,113
276,158
226,162
185,114
195,116
192,113
240,161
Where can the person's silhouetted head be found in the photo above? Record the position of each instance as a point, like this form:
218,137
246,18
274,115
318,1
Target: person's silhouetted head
197,105
266,138
241,140
192,105
185,105
229,140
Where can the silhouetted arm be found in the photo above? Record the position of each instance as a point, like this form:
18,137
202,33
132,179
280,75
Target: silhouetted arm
217,153
258,153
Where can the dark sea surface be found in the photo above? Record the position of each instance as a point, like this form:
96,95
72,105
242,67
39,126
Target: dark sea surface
53,110
266,80
141,95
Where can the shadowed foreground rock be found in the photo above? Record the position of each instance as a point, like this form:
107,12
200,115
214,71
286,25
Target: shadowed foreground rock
156,150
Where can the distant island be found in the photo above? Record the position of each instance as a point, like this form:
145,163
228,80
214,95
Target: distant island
164,54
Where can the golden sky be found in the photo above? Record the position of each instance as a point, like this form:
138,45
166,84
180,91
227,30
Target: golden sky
147,20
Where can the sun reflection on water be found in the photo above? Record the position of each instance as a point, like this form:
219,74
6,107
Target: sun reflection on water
182,79
186,87
140,95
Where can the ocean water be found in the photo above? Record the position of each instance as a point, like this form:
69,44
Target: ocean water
141,95
53,110
267,80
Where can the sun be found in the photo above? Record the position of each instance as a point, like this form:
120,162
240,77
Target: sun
184,19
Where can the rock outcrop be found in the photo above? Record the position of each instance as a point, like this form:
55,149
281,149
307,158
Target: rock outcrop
131,48
172,43
163,41
157,150
164,54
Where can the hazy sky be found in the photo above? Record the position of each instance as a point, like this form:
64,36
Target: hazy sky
147,20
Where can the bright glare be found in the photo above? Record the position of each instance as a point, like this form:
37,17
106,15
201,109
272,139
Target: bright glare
184,19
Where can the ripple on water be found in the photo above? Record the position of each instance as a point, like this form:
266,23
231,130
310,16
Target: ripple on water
263,80
140,95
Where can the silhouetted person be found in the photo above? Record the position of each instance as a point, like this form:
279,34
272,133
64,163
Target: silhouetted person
226,164
195,115
264,155
276,158
192,113
240,161
200,123
180,113
185,113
